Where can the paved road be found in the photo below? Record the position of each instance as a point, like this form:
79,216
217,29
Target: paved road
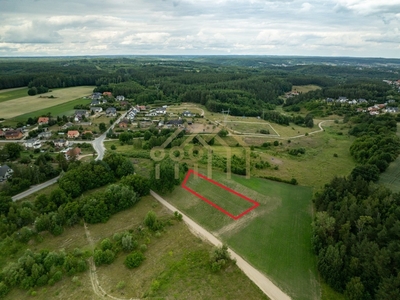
35,189
98,143
270,289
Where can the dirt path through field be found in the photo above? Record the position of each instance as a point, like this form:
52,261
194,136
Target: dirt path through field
270,289
97,289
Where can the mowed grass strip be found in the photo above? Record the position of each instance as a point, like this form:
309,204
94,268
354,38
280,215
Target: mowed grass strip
221,196
28,104
10,94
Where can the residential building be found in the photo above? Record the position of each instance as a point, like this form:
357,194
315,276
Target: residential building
120,98
43,120
32,144
5,172
111,112
14,135
73,134
60,143
123,124
96,109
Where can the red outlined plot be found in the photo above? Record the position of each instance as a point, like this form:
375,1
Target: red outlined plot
184,185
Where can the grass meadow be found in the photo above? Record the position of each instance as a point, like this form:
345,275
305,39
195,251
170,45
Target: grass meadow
176,265
274,237
29,104
10,94
305,88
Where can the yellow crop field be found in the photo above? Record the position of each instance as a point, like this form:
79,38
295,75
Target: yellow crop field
23,105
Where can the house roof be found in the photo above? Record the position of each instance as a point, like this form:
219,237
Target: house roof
43,120
111,110
13,133
3,170
73,132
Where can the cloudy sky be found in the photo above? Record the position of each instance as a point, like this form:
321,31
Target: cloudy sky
269,27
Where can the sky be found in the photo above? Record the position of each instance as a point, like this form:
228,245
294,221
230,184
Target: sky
361,28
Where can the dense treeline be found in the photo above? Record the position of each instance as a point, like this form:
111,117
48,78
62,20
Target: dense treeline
356,238
365,89
377,143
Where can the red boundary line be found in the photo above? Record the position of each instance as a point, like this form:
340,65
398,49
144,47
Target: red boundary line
255,203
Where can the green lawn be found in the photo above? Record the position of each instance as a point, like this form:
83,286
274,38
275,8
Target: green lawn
274,237
57,110
14,94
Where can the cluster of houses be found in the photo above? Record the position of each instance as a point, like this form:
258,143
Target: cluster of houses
379,108
395,83
82,114
344,100
5,172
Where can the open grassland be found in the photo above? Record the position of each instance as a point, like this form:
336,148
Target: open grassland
10,94
274,237
243,127
29,104
305,88
323,151
176,265
391,177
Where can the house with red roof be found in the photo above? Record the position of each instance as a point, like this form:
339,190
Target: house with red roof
73,134
43,120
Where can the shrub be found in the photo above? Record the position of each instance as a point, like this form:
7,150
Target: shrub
134,260
276,143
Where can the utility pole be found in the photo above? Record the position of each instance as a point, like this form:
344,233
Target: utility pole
225,115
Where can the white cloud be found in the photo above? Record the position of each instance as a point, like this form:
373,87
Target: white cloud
313,27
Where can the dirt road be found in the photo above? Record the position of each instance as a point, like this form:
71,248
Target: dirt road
270,289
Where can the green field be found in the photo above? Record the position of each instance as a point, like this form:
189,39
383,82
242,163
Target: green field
391,177
57,110
244,127
6,95
275,237
226,200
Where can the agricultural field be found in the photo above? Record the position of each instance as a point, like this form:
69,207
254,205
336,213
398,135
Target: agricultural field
66,108
274,237
176,265
10,94
29,104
